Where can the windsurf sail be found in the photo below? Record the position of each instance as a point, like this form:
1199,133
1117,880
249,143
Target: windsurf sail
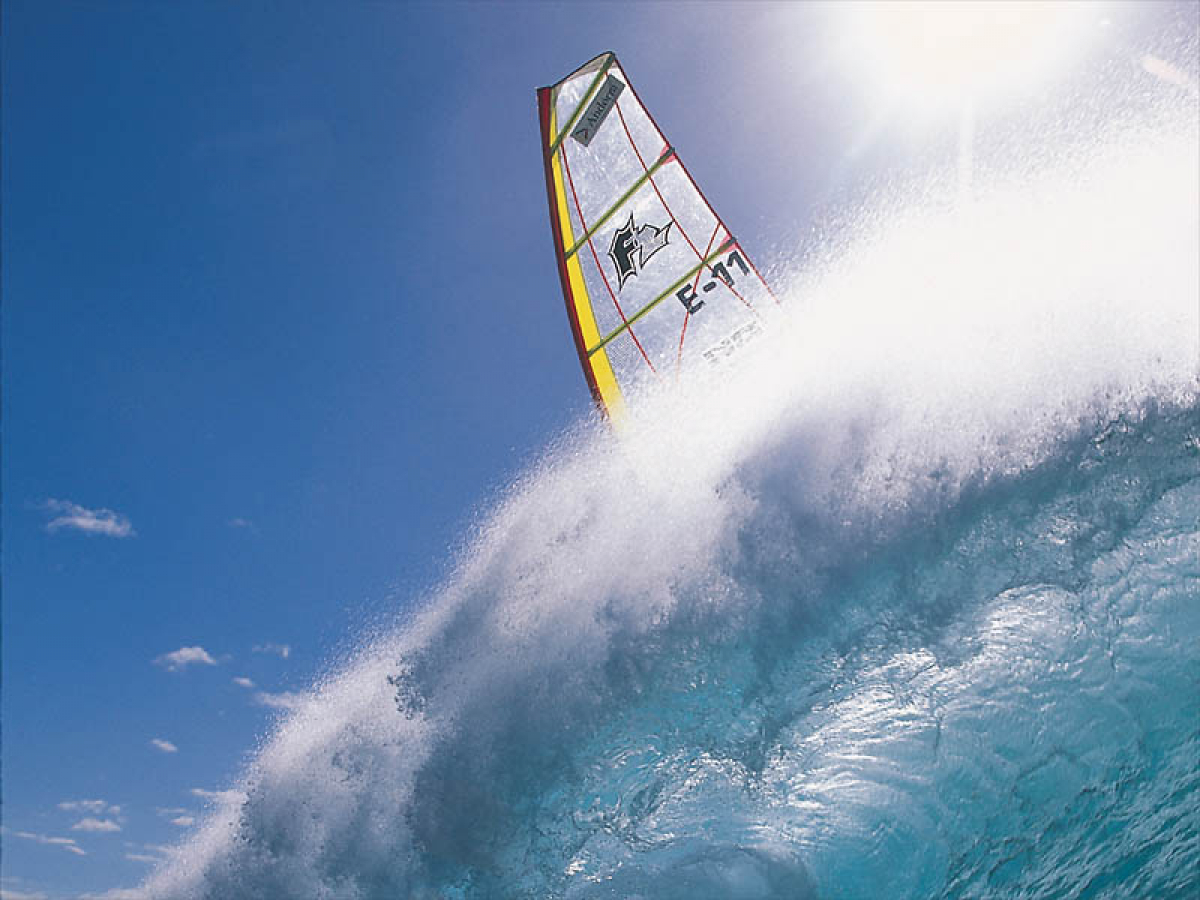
653,279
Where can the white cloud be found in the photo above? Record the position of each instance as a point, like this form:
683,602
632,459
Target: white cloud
281,700
13,888
98,825
244,524
281,650
72,516
184,821
184,657
99,807
143,857
242,681
163,745
67,844
172,811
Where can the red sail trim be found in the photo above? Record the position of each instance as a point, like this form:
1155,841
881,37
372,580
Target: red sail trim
638,153
707,250
544,104
662,200
653,122
591,246
687,316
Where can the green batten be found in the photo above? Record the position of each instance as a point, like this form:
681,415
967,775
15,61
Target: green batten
617,332
583,102
599,223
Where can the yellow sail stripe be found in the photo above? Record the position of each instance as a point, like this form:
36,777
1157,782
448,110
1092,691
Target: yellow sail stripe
602,371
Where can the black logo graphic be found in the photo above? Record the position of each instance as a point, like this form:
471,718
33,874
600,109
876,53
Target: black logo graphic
632,246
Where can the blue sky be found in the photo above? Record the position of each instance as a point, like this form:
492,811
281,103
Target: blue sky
279,316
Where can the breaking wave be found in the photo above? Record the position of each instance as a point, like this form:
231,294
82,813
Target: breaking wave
906,606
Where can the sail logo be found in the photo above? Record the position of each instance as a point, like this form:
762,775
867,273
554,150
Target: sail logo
598,110
633,245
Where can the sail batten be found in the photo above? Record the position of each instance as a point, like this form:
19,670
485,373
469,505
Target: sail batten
695,270
612,210
642,299
579,108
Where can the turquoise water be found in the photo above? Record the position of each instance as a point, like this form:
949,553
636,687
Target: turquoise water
905,606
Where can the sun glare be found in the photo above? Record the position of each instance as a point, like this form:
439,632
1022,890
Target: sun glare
933,55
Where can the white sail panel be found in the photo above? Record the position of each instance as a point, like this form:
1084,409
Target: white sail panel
653,279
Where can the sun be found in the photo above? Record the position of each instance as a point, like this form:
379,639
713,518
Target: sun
938,55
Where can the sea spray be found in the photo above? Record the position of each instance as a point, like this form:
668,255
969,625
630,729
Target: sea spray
906,604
